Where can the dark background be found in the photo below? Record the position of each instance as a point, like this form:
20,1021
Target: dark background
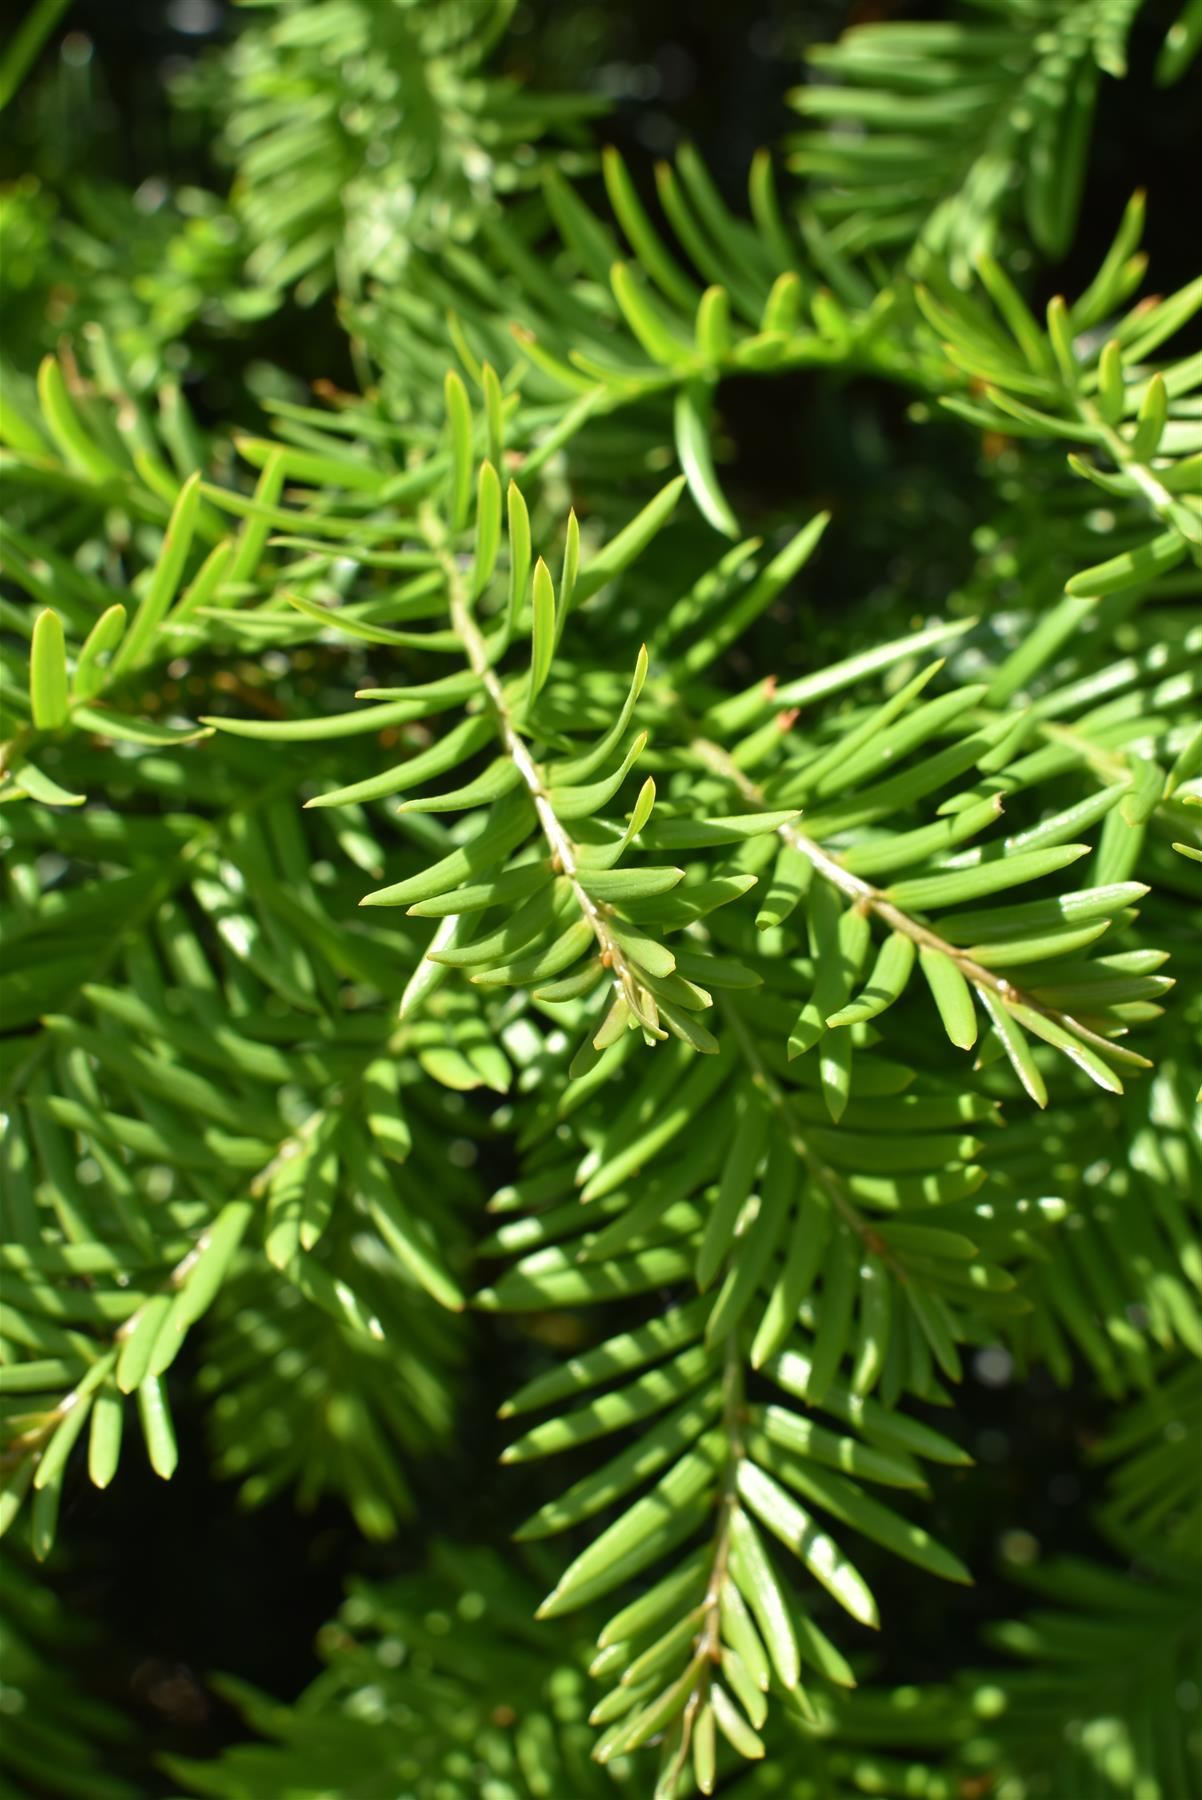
179,1581
702,69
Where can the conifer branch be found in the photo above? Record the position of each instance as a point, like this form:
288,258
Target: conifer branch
869,899
559,842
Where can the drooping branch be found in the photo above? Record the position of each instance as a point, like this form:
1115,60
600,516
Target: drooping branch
869,899
563,850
